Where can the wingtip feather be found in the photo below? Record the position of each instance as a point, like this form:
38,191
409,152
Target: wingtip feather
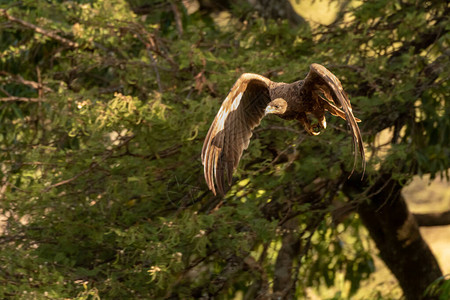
346,113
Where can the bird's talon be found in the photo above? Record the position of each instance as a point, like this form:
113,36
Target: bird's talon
315,129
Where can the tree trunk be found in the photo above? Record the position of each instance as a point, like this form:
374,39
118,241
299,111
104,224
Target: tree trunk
289,251
396,234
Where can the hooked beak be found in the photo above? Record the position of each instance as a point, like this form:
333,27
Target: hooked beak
269,110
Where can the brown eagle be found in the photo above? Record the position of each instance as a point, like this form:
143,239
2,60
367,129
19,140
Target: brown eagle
252,97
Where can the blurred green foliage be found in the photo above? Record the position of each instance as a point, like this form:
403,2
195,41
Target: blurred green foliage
439,288
102,192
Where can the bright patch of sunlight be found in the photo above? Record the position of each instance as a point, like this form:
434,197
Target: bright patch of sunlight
316,11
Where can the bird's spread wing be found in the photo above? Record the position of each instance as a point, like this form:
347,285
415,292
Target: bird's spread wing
322,83
230,132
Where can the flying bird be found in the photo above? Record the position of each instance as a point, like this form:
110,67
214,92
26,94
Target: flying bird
254,96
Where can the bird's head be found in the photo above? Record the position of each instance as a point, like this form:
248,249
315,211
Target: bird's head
276,107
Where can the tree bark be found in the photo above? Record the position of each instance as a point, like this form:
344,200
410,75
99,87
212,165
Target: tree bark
289,251
396,234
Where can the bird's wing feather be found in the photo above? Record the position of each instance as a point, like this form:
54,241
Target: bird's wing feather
323,83
230,132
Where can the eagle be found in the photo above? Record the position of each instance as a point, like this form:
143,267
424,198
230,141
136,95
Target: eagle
254,96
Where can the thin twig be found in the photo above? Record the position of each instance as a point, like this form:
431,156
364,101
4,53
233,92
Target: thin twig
50,34
151,42
92,166
5,92
20,79
177,15
40,86
20,99
155,68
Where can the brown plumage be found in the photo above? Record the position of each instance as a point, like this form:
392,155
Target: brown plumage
252,97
